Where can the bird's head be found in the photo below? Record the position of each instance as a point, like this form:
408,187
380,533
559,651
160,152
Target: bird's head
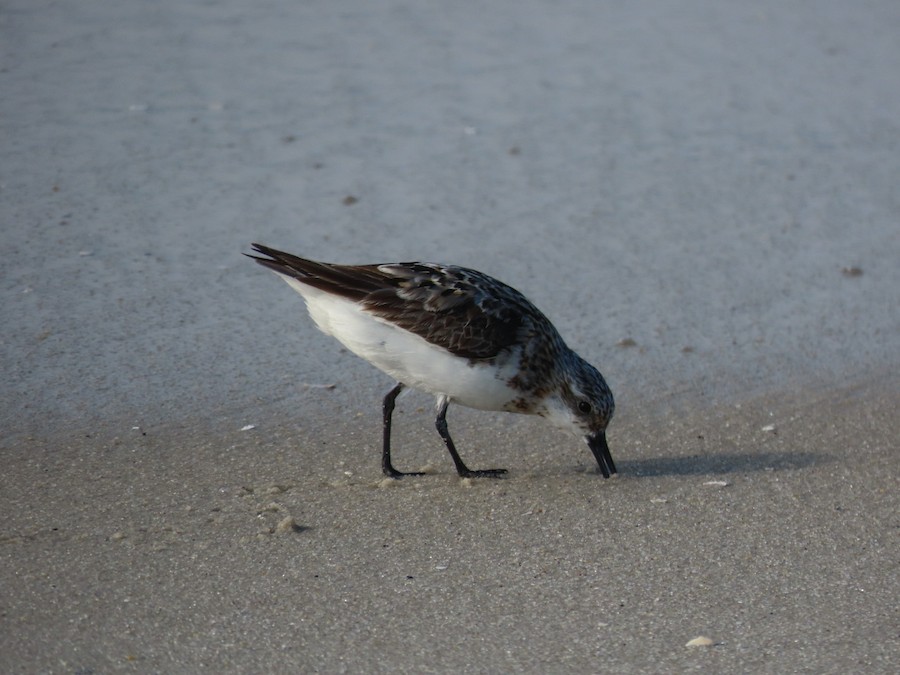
583,404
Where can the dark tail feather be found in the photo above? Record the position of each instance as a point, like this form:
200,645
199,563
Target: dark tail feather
285,263
353,282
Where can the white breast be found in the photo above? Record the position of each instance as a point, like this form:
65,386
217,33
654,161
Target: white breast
407,357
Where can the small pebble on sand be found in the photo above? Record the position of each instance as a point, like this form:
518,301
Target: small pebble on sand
700,641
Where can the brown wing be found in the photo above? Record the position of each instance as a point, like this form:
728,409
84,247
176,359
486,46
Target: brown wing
464,311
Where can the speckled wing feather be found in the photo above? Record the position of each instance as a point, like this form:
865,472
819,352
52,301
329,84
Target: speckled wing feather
467,313
464,311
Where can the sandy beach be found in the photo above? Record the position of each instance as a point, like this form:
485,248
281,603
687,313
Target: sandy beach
703,199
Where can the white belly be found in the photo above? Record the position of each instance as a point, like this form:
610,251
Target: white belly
407,357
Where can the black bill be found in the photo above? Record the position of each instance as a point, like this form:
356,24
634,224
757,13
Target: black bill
597,444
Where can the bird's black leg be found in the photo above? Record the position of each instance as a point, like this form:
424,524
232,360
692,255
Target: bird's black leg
387,408
464,471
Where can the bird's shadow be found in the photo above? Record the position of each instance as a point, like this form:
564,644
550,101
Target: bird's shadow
705,464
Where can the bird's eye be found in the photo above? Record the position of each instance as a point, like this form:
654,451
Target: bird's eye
584,407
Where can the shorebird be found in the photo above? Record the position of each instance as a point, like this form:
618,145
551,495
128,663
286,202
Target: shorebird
458,334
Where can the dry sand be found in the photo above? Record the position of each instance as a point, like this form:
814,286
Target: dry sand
703,197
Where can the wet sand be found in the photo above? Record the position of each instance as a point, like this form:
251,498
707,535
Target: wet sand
768,527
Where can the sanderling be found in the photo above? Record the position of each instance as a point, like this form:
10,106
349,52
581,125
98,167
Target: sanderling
458,334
